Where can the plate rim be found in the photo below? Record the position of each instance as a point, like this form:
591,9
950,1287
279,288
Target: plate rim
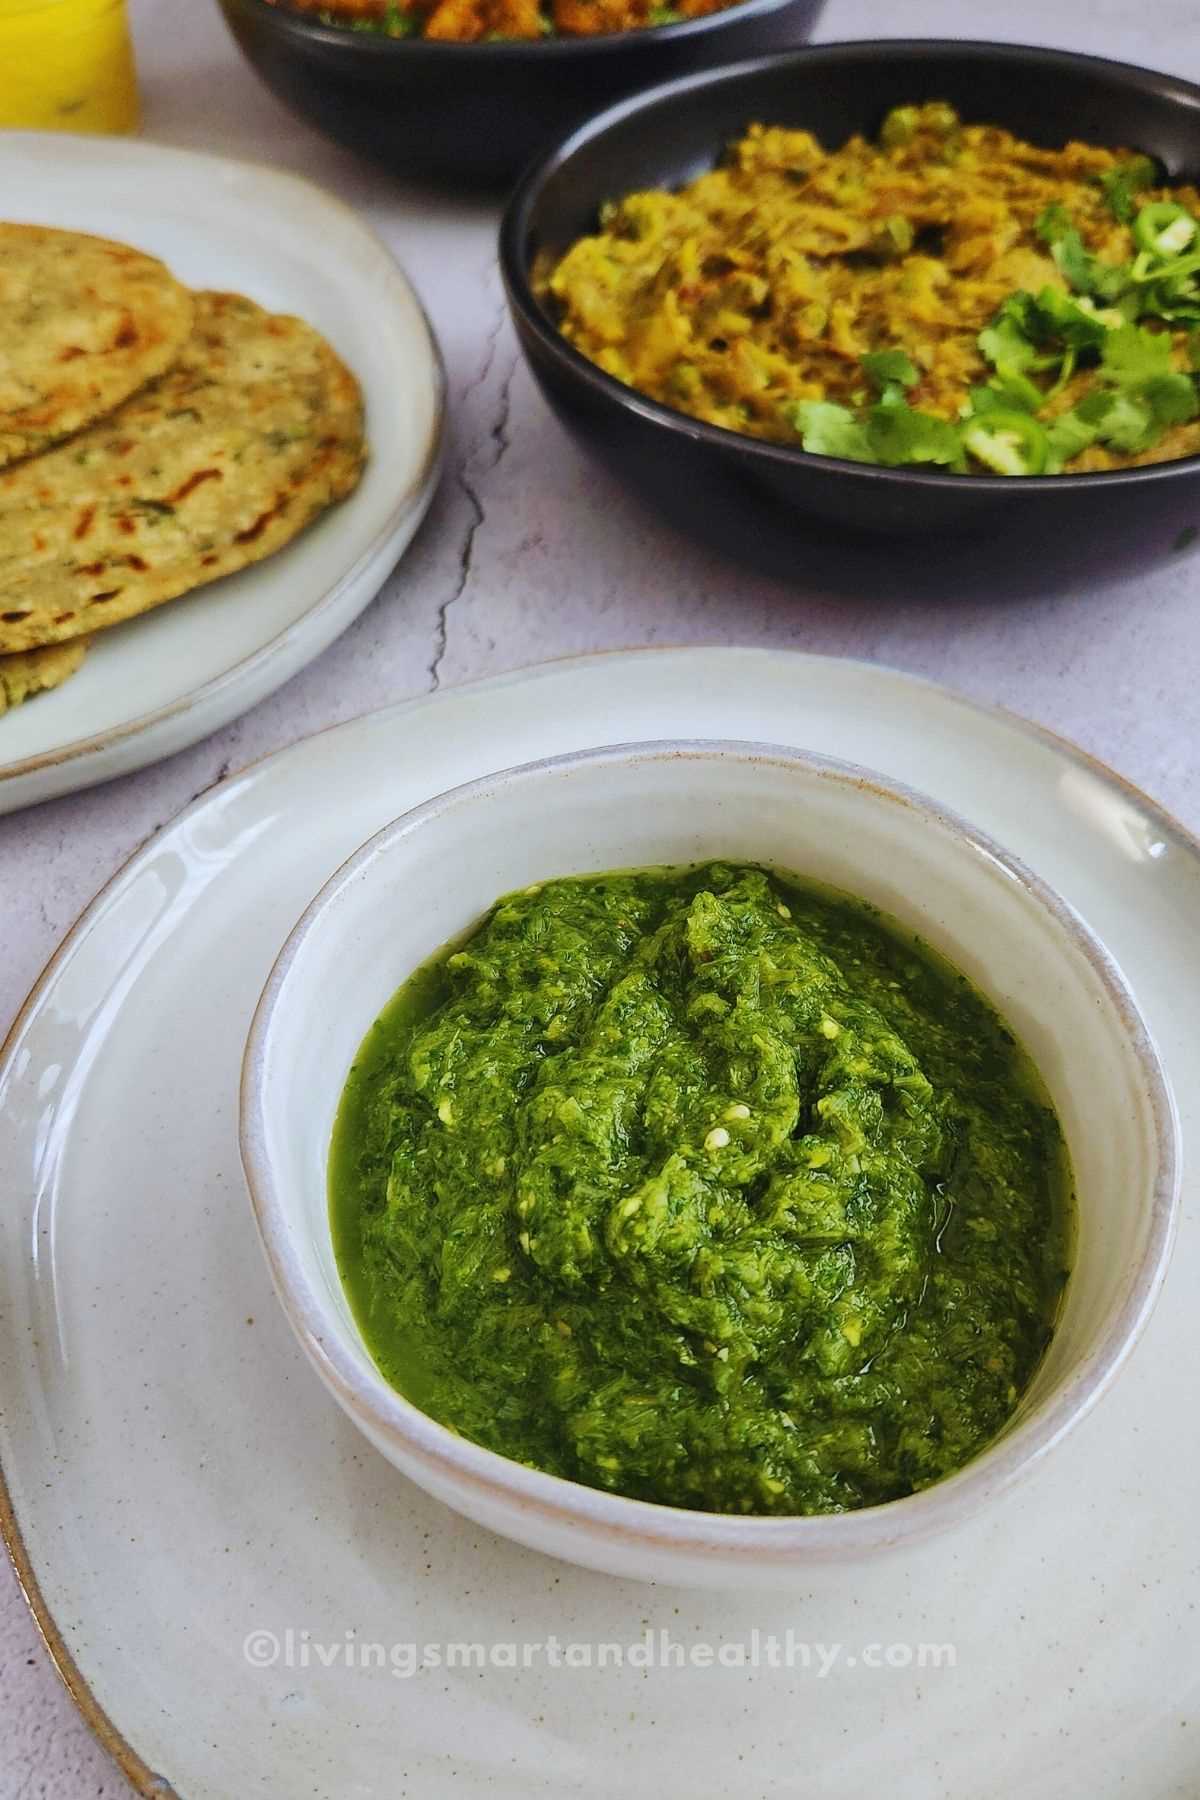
146,1782
407,503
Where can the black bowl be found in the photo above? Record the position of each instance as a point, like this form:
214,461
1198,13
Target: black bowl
760,500
479,112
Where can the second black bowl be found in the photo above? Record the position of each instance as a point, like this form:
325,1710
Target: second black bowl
760,500
479,112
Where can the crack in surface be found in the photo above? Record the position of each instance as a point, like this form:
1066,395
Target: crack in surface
496,443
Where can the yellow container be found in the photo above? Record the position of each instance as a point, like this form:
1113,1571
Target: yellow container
67,65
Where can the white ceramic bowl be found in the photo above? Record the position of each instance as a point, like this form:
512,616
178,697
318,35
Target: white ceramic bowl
432,873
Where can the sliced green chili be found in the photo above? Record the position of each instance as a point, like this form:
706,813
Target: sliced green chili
1008,443
1164,229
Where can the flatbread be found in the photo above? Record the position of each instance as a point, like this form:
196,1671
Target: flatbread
256,430
32,672
84,323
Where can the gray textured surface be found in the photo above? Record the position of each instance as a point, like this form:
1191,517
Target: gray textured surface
529,553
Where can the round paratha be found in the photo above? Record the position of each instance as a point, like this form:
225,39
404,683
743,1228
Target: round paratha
84,323
255,430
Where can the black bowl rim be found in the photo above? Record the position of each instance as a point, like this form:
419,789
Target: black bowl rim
514,228
303,28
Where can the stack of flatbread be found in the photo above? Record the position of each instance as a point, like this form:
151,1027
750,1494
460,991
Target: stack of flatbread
151,440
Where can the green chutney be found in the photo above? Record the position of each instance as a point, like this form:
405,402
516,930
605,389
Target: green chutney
706,1187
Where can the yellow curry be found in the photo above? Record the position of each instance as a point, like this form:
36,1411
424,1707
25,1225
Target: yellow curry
948,295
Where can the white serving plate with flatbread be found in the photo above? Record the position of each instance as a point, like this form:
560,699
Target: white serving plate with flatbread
160,682
182,1493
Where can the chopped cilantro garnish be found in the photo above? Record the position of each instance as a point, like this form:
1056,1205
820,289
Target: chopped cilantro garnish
1085,273
890,432
1136,392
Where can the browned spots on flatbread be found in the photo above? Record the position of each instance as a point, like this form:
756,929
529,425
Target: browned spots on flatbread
260,524
192,483
84,523
69,352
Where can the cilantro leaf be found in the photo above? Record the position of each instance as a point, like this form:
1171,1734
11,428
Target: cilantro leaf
982,400
892,432
1139,362
1172,399
1008,342
1171,296
1131,353
1068,435
1121,184
1085,273
1006,346
884,366
1015,389
1089,274
1075,319
1121,420
829,430
1066,247
901,434
1054,223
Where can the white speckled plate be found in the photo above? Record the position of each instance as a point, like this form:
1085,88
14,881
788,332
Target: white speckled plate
178,1481
162,681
